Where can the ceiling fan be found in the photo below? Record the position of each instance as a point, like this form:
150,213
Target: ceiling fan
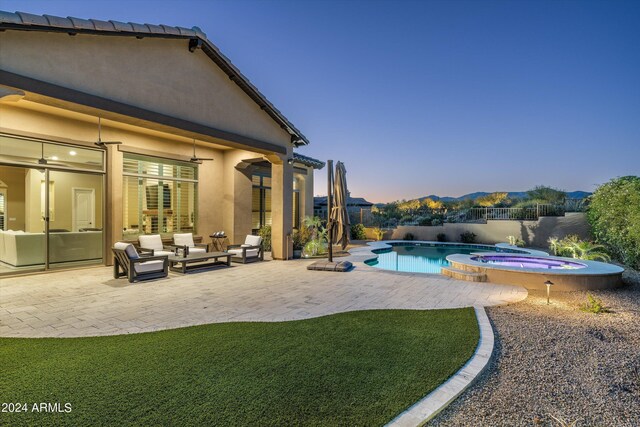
43,161
103,144
194,158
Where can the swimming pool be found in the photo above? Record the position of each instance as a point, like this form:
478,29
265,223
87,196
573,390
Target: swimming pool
425,257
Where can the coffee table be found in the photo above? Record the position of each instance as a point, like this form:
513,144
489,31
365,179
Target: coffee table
197,261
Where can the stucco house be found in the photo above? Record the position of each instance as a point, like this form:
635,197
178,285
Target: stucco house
104,126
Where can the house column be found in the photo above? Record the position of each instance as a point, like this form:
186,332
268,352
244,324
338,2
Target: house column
236,205
281,207
112,222
308,193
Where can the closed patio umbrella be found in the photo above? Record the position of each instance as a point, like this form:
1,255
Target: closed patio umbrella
340,228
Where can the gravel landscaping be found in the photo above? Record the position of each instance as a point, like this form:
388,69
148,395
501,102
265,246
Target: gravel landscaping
559,361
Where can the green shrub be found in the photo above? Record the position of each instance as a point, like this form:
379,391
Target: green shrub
409,236
515,241
594,305
425,220
441,237
358,232
468,237
436,221
265,233
572,246
316,243
562,247
301,236
614,215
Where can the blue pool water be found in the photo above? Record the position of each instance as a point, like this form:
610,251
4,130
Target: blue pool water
425,257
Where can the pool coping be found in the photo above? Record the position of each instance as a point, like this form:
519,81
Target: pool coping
433,403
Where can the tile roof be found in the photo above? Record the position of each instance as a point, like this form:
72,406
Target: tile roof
351,201
308,161
72,25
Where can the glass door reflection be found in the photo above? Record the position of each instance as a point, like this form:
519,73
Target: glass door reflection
23,228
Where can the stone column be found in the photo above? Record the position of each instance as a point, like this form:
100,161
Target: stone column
281,207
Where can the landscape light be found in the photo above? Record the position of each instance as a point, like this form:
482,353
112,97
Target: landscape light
549,283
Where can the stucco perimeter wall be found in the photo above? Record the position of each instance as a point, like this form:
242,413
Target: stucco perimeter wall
156,74
534,233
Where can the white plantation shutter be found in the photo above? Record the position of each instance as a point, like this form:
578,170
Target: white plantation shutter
160,195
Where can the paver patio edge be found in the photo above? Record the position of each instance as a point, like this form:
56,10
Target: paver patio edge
431,405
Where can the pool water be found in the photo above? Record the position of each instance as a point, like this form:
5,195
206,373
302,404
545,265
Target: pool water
529,262
422,257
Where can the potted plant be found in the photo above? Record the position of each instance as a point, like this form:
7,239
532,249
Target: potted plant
300,238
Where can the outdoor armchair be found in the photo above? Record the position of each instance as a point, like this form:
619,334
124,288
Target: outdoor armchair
251,250
127,262
183,240
152,243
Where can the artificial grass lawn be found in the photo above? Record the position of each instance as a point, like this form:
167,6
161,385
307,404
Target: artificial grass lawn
358,368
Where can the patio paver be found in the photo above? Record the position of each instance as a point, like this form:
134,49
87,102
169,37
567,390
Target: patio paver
89,302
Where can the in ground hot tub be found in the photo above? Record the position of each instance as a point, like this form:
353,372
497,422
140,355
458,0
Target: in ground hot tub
531,271
529,262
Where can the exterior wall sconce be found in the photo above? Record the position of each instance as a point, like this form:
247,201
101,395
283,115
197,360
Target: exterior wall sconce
290,161
549,283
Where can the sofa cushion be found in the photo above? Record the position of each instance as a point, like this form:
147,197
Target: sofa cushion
162,253
183,239
151,241
149,266
253,240
128,248
238,252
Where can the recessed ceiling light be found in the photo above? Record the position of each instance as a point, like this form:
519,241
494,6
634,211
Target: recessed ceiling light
54,157
73,153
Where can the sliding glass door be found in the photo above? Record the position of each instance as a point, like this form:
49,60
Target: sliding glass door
52,213
23,238
75,219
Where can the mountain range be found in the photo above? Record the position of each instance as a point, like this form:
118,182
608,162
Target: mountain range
511,195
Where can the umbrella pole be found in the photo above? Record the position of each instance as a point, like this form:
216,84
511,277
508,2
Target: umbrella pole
329,207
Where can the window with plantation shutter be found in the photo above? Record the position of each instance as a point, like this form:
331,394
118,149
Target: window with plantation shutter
159,196
260,202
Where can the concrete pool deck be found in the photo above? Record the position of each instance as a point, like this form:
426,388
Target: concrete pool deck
89,302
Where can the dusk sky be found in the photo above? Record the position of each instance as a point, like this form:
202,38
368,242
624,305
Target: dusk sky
431,97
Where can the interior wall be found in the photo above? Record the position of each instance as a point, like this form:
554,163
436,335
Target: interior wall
33,201
14,178
63,184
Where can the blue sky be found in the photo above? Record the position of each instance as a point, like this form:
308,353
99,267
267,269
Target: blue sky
431,97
